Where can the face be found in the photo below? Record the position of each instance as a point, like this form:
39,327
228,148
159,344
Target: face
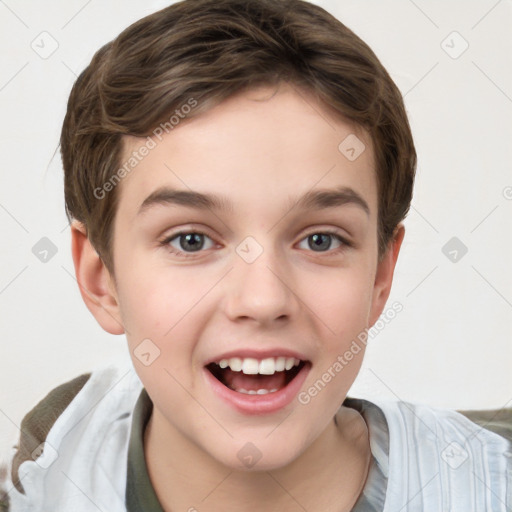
245,257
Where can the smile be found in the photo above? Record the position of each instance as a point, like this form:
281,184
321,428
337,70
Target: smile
257,385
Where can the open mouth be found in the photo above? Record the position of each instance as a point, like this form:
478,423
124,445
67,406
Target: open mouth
256,377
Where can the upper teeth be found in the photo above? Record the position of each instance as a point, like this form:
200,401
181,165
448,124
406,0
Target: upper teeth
251,366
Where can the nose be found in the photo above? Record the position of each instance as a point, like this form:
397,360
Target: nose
262,291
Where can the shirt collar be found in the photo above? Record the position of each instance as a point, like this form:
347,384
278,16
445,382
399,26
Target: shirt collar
141,496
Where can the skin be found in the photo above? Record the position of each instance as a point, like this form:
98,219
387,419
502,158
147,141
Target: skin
260,149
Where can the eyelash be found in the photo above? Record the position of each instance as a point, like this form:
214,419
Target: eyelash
182,254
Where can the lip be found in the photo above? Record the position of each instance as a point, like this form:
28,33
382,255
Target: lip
259,404
257,354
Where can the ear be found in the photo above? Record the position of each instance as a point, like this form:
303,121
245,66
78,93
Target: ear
96,285
384,274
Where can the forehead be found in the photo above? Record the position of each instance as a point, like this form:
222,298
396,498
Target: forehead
266,143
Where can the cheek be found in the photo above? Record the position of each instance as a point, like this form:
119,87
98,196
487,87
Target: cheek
161,302
342,302
154,299
162,326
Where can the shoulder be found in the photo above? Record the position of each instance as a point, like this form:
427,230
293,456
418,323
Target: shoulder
82,416
496,420
34,429
446,454
440,428
40,419
432,457
493,425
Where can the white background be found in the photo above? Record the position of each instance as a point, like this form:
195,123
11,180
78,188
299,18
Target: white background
451,344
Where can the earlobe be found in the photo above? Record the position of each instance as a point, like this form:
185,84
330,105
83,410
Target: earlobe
94,281
384,274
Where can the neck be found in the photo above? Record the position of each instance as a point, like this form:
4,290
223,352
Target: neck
328,476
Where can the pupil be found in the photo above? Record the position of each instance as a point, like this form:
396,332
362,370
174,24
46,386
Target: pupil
321,241
194,240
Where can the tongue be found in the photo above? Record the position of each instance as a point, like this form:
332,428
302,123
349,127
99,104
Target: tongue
239,380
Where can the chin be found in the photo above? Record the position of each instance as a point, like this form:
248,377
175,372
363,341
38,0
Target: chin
261,454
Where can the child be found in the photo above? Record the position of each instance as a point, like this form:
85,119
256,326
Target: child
269,137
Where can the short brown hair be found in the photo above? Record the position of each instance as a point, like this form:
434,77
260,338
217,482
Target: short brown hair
209,50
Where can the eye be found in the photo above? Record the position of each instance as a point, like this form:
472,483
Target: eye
187,242
321,241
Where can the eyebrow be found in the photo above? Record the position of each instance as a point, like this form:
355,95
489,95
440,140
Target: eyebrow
312,200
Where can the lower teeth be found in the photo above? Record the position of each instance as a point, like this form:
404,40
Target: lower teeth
254,392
